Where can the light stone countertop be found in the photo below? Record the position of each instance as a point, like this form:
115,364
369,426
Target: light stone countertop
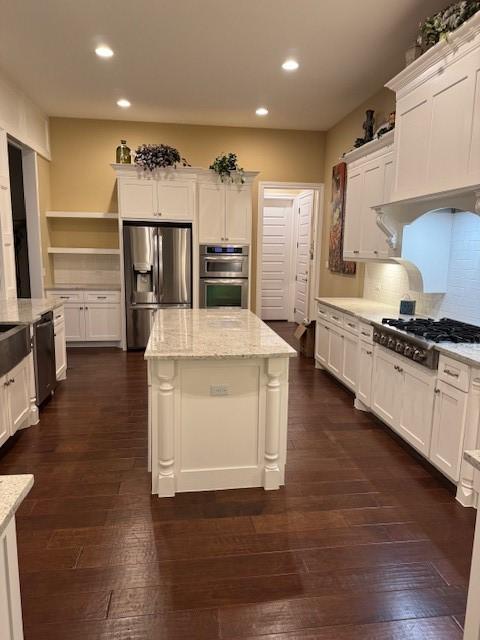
373,312
473,457
13,490
26,310
213,333
84,287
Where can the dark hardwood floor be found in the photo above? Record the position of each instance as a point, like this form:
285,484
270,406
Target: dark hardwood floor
365,542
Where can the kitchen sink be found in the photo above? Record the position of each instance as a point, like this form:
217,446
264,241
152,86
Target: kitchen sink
14,345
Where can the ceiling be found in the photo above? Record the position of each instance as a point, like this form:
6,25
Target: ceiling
207,61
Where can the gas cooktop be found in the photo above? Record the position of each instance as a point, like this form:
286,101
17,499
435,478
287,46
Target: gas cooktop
444,330
415,338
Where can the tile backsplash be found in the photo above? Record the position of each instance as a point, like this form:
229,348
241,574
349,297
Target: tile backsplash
389,282
86,269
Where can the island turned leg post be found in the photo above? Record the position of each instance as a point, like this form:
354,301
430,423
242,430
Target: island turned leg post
273,417
162,425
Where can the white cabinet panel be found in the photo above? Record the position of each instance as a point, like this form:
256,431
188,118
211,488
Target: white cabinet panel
474,157
74,322
350,360
102,322
365,369
137,197
211,213
449,140
411,140
353,200
335,352
8,283
416,412
385,384
11,626
4,417
372,239
175,199
238,206
60,350
18,395
448,429
321,343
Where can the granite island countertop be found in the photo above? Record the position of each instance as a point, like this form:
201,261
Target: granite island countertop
84,287
13,490
26,310
213,334
372,312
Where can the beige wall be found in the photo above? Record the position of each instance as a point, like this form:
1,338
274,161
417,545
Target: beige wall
82,150
340,139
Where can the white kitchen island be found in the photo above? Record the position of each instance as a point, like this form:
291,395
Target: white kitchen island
218,401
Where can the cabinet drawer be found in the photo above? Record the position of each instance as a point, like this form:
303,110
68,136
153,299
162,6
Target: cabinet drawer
66,295
335,317
58,316
365,331
322,312
351,324
454,373
102,296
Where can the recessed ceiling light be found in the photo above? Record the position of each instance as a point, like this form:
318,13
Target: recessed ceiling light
103,51
290,65
124,103
261,111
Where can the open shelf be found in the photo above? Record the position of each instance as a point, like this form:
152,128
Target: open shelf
102,215
87,250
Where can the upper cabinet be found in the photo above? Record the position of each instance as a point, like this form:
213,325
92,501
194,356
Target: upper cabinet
369,180
437,137
166,195
224,213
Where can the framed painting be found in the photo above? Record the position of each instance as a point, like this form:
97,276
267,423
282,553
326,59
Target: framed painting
336,263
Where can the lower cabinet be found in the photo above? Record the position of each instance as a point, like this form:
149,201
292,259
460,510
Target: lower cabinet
90,316
448,429
60,344
11,626
14,400
365,368
336,350
402,395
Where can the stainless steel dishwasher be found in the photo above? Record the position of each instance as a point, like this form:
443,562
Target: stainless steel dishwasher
44,357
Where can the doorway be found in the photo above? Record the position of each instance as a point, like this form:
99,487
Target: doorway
289,238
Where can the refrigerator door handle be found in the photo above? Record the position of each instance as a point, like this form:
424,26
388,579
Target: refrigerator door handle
160,296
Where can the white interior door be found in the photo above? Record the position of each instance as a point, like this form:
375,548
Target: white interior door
276,259
304,218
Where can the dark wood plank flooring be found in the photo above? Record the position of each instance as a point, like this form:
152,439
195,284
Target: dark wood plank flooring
365,542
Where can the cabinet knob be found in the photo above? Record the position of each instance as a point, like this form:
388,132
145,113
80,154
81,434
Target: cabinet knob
226,239
356,252
437,390
369,353
159,214
81,308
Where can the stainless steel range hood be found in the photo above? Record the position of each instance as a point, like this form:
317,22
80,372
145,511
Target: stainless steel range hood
419,234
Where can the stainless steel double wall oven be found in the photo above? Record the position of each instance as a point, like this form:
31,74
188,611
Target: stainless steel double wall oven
223,276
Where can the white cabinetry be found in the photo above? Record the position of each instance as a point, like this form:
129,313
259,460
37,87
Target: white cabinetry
11,626
60,344
365,369
224,213
448,429
90,316
369,179
336,345
8,284
14,400
438,117
402,395
166,195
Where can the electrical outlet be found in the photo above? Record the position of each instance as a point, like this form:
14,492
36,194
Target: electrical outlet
219,390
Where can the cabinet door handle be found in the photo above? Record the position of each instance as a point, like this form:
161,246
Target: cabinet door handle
6,384
369,353
449,372
336,318
350,324
437,390
364,333
59,316
356,252
101,297
64,297
81,308
11,380
54,335
226,239
159,213
376,253
86,308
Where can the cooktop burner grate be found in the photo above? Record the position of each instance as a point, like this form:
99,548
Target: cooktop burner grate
444,330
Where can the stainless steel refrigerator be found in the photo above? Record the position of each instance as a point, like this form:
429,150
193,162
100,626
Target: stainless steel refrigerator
158,274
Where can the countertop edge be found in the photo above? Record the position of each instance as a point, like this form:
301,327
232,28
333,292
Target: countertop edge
25,483
441,348
233,356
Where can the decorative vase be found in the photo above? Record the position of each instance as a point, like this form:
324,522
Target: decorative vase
124,155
